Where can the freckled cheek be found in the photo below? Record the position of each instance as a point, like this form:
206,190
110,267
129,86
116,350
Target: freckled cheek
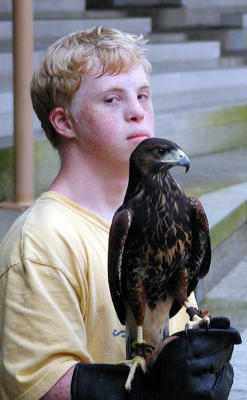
92,121
108,126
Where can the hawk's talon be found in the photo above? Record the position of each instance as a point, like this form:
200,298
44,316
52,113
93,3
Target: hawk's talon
133,364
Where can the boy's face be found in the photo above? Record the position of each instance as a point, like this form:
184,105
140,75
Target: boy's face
112,114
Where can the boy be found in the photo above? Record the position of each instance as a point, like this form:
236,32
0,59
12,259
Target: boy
92,95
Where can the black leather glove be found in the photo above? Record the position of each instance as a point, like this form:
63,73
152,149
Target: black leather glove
196,365
193,366
106,382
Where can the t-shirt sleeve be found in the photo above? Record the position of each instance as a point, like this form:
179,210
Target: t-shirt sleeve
44,332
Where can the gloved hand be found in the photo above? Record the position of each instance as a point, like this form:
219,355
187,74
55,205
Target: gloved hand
196,365
193,366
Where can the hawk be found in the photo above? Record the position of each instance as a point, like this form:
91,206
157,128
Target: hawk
159,247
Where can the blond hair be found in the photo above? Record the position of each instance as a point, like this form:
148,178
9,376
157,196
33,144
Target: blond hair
97,51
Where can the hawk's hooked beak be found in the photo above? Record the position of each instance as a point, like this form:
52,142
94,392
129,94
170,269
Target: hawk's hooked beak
178,157
184,160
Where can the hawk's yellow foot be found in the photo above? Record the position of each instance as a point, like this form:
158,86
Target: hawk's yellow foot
133,364
139,358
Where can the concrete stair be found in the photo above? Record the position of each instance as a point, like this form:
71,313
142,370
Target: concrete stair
174,19
227,25
231,39
46,7
48,30
185,51
205,109
234,20
201,4
204,130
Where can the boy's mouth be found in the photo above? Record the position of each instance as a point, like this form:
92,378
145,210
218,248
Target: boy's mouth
138,136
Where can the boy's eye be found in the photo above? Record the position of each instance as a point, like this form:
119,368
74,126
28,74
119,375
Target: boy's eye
111,100
141,96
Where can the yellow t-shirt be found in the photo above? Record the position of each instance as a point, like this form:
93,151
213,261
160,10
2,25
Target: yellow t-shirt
55,304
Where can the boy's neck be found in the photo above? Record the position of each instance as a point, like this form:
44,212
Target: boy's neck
97,187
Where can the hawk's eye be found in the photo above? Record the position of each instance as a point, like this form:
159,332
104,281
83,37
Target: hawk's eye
161,151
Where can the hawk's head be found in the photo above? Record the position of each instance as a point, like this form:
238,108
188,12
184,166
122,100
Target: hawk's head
157,156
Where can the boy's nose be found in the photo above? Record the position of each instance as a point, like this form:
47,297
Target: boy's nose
134,111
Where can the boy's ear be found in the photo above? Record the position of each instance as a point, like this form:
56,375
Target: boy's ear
61,122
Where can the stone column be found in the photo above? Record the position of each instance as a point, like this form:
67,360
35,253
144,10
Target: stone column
23,112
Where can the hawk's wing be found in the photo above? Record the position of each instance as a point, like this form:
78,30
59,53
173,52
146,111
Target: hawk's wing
201,247
118,233
200,250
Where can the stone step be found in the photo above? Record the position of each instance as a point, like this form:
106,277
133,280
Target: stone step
226,4
204,130
47,6
57,13
143,5
225,212
211,172
75,13
162,37
225,290
200,98
228,228
232,39
231,61
181,18
176,82
53,29
188,51
156,52
224,261
170,62
234,20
